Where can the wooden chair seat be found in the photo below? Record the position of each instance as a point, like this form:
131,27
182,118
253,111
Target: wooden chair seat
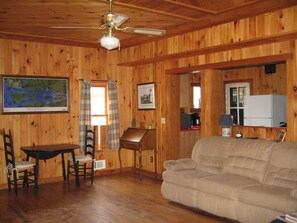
23,165
80,158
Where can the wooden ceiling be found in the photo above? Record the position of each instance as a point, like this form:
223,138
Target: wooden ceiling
32,19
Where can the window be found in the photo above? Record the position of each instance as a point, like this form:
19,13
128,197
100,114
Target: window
197,96
99,112
235,95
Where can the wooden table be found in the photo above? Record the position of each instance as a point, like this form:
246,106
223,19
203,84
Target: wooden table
139,139
44,152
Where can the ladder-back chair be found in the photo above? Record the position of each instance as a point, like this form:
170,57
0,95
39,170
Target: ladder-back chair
85,162
18,173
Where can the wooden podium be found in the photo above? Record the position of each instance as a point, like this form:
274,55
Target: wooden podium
139,139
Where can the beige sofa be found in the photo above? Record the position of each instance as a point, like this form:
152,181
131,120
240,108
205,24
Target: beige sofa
248,180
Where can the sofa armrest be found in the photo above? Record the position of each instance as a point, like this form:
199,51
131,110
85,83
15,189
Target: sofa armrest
180,164
294,192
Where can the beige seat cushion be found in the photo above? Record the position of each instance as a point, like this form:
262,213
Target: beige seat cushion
24,165
282,170
249,158
293,193
186,178
270,197
180,164
81,158
210,153
224,185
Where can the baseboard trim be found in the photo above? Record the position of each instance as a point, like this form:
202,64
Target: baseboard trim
103,172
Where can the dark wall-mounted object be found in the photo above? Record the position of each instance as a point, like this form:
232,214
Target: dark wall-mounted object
185,121
270,69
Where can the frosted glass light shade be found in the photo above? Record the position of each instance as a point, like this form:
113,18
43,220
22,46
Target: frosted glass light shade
109,42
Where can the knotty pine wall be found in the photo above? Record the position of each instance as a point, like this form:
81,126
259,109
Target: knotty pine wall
40,59
266,38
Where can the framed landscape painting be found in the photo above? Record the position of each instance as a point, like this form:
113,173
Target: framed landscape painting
146,96
27,94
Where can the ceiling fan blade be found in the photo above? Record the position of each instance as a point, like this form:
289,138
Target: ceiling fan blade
119,19
76,27
150,32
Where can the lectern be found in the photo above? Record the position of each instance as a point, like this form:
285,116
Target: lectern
139,139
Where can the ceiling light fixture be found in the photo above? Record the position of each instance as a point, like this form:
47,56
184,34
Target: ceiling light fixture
109,41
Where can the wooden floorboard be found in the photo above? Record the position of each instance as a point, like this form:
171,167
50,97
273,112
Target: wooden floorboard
110,199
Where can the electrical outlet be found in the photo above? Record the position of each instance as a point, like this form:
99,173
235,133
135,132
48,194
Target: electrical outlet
151,159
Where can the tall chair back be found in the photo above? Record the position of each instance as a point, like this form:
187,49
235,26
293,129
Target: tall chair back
8,149
18,173
90,142
85,162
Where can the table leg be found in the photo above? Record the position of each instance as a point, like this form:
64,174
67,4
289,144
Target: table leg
155,154
120,160
75,168
36,173
134,169
63,167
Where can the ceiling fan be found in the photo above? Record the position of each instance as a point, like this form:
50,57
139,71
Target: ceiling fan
111,22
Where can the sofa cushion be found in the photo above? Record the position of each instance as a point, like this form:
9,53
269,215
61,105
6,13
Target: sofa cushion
282,170
224,185
293,193
180,164
249,158
211,152
186,178
270,197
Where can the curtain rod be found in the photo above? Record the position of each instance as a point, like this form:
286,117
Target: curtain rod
96,80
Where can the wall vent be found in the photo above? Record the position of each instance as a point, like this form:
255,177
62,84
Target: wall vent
99,165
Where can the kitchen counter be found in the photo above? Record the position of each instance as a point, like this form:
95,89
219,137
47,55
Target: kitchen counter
194,128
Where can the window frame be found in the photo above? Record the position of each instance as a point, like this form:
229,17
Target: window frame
104,85
192,109
237,84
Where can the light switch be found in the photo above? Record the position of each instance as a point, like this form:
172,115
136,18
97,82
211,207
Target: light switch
163,120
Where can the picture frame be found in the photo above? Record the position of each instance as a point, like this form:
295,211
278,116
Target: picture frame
32,94
146,95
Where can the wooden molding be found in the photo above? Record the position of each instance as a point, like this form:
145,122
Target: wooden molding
233,63
217,48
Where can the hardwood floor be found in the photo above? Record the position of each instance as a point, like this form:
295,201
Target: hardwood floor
110,199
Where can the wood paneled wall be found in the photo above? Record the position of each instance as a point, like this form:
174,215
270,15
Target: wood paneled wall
261,83
39,59
269,36
240,39
292,94
240,43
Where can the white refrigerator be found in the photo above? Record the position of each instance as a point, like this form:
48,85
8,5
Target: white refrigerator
265,110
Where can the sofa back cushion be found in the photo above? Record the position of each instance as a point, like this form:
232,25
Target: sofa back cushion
210,153
249,158
282,170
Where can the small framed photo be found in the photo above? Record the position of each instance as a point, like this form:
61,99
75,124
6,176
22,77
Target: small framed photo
281,136
146,95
